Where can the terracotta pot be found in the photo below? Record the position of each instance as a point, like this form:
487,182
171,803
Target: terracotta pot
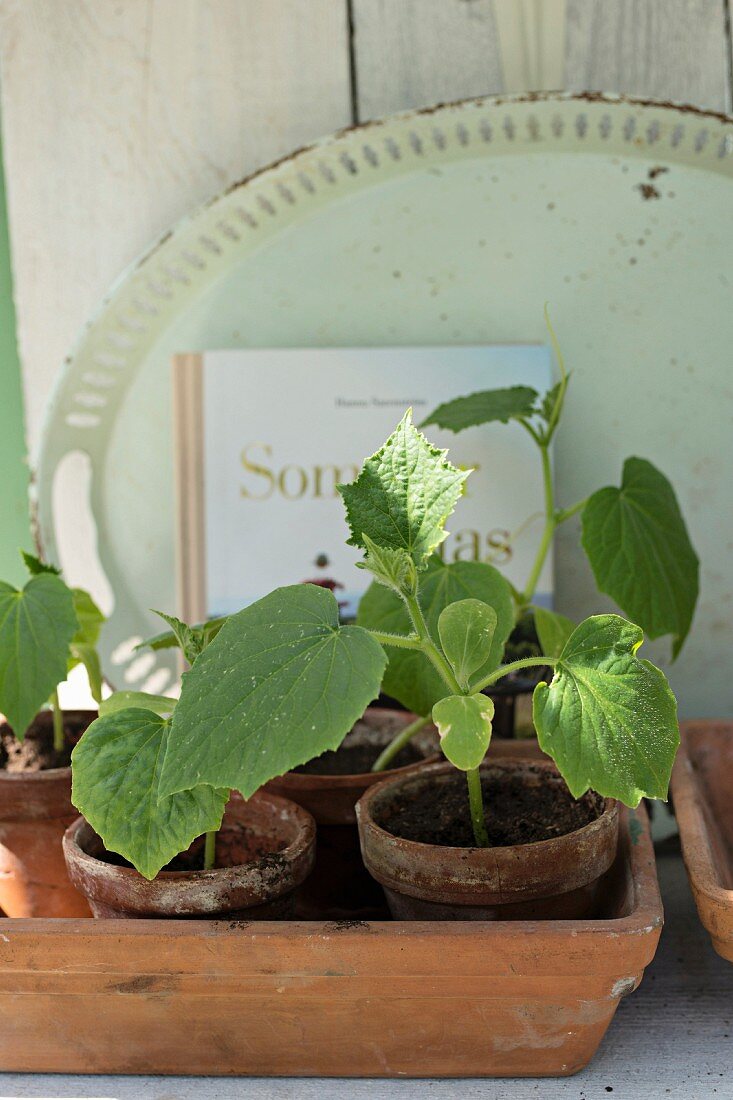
262,888
340,887
702,782
35,810
346,999
555,879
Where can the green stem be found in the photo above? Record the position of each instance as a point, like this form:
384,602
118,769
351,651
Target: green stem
402,641
59,739
476,803
429,647
527,594
513,666
388,754
566,513
564,378
209,851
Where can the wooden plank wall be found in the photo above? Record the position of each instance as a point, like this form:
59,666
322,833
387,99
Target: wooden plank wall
120,115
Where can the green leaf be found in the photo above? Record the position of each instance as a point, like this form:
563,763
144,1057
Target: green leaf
410,677
89,616
464,726
512,403
88,656
35,566
191,640
281,683
162,705
403,495
548,402
466,630
640,552
393,568
608,719
169,640
116,786
553,630
83,644
36,628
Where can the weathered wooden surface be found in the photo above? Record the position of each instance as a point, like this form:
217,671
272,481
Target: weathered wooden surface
118,118
671,1040
665,49
411,53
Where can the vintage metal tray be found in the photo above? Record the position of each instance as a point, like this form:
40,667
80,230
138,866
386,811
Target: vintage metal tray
449,225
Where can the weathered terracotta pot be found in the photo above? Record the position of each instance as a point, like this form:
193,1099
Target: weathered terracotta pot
35,810
262,888
702,782
556,879
340,887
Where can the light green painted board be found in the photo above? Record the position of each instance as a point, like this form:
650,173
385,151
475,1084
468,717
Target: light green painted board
14,528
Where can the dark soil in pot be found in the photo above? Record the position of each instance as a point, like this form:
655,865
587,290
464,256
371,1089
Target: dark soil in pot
35,809
36,752
340,887
362,746
264,851
514,812
546,861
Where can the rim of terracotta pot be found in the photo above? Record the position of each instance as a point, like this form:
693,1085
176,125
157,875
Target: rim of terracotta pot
184,893
31,796
485,876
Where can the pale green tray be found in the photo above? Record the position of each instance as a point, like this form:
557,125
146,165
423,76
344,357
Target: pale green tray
450,225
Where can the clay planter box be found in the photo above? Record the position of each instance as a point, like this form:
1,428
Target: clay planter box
702,783
382,999
35,810
340,888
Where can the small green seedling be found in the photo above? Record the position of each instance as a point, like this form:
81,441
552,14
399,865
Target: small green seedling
46,629
634,536
117,764
283,681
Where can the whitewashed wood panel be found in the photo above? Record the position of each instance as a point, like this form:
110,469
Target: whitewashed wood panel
665,49
119,117
411,53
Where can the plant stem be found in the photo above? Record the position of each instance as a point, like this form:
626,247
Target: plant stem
476,802
513,666
58,723
388,754
527,594
209,851
402,641
566,513
429,647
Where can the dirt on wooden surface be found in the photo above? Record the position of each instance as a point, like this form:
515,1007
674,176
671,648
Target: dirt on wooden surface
36,752
361,748
515,813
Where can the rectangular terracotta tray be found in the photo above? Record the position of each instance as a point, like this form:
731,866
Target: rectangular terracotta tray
384,999
702,789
